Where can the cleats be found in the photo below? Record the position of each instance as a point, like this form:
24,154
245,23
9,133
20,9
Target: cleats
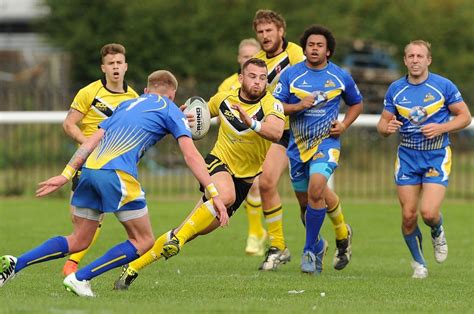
69,267
256,245
419,271
308,262
126,278
79,288
171,248
343,253
274,258
440,246
7,268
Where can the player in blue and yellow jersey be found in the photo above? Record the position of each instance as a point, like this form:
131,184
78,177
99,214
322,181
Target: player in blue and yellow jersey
93,104
109,184
420,106
250,118
279,54
311,92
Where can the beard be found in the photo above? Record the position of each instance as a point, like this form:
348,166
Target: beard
274,48
250,93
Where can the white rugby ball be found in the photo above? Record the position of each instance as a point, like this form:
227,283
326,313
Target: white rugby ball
202,117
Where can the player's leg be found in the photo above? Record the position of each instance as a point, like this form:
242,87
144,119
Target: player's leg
140,239
343,231
275,163
435,182
433,196
408,196
53,248
74,259
256,232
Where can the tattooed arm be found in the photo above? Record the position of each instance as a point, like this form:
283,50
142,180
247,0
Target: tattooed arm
77,160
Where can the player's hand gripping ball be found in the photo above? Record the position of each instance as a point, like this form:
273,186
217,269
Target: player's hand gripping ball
198,107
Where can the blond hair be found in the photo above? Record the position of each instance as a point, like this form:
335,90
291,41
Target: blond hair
419,42
249,42
162,81
268,16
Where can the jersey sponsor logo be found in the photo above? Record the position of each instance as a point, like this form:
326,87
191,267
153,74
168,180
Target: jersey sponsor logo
405,101
304,84
278,107
329,83
428,97
102,108
320,99
432,173
418,115
404,177
278,88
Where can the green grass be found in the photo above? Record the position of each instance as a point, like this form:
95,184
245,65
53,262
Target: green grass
212,274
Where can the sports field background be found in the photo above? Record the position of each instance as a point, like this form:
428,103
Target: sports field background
212,274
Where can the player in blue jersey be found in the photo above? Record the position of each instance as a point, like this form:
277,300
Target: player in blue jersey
311,92
108,184
419,106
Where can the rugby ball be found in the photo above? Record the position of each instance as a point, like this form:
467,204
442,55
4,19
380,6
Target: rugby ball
202,117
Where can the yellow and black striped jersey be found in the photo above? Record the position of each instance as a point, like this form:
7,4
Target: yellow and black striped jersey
230,83
238,146
291,55
97,103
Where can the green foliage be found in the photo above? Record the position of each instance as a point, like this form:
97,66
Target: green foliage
198,40
213,275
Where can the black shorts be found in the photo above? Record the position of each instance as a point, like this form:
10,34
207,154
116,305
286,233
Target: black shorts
75,180
215,165
285,139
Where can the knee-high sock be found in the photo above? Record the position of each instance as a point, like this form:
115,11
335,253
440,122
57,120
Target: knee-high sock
274,220
117,256
199,220
337,219
53,248
77,257
314,221
414,243
254,211
436,228
152,255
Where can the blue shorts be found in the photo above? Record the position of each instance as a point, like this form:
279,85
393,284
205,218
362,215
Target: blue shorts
324,161
414,167
108,191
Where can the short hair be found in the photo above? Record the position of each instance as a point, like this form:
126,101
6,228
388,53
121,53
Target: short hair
112,49
419,42
162,81
255,61
268,16
249,42
319,30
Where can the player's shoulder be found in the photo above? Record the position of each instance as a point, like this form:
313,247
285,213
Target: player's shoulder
295,48
131,91
220,96
92,87
398,84
295,53
436,78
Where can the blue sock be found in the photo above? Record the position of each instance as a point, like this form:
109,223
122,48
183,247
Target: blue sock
314,221
117,256
436,229
53,248
319,244
413,242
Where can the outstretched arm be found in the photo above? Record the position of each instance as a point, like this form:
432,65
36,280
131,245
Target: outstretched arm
196,163
77,160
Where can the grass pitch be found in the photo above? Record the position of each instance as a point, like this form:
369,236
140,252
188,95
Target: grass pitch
212,274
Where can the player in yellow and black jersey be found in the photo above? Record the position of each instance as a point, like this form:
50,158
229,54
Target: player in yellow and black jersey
93,104
250,118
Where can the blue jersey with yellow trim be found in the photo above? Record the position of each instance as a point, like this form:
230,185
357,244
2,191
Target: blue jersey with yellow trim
311,126
420,104
136,125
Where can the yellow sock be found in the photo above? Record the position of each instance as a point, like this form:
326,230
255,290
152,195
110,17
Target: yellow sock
199,220
78,256
253,207
337,219
152,255
274,220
